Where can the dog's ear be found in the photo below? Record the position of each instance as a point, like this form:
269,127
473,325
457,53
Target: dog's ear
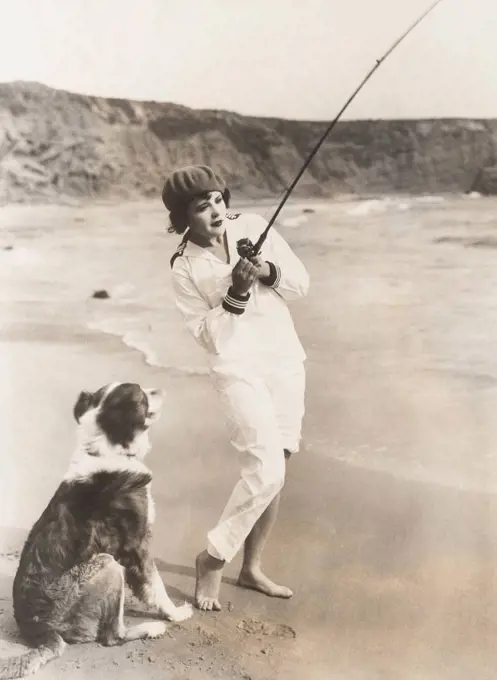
82,405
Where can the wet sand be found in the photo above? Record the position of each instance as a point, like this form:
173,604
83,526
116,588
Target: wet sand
394,574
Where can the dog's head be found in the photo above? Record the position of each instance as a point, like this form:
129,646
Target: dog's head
116,418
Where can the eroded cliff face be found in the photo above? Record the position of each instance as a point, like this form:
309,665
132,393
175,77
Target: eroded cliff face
55,144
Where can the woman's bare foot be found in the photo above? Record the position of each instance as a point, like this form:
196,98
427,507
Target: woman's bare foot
255,580
209,573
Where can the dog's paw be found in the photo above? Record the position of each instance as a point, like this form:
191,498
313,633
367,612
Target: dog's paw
181,613
155,629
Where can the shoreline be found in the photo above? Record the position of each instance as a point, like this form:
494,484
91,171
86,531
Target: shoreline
237,201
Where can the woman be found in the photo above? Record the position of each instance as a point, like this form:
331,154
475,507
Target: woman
236,309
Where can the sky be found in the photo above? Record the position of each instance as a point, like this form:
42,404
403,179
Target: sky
298,59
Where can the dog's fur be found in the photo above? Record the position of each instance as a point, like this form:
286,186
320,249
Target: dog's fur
93,537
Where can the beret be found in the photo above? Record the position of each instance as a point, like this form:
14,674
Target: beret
186,183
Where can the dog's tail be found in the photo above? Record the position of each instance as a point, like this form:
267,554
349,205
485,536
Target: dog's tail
31,661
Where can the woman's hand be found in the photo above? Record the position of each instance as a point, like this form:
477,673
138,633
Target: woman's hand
243,276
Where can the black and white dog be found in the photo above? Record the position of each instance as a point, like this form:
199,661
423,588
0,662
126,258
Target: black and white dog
93,537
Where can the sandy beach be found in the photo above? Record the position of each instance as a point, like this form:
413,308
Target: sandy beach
387,528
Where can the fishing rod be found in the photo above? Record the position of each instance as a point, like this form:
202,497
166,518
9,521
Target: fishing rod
245,247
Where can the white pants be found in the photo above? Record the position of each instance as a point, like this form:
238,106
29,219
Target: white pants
264,412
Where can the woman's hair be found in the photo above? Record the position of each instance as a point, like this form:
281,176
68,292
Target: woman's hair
178,220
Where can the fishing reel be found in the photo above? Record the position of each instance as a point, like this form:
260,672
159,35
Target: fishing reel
245,248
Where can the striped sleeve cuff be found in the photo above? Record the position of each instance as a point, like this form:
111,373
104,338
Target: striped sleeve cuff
274,277
235,303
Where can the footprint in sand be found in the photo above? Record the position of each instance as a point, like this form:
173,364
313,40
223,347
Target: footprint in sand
278,630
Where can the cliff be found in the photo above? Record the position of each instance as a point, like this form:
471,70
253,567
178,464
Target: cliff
55,143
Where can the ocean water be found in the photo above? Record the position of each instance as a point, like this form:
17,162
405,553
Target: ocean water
400,325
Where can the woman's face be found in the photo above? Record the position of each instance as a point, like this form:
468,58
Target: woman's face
206,215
